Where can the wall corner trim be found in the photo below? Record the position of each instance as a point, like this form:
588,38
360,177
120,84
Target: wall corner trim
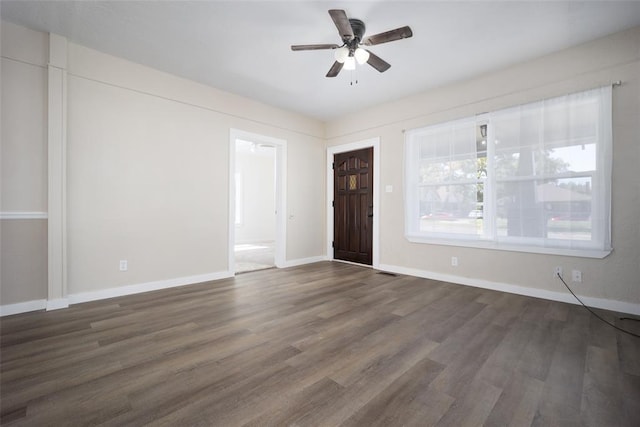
57,171
607,304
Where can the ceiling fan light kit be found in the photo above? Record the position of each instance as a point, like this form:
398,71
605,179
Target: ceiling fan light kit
341,54
352,34
361,55
350,63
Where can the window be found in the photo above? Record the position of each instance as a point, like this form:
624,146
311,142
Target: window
535,177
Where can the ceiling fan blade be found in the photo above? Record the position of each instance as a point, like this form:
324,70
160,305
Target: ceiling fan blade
342,24
388,36
335,69
378,63
296,47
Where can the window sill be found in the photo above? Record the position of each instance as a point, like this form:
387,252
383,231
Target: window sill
481,244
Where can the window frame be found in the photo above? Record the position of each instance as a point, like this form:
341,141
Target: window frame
599,246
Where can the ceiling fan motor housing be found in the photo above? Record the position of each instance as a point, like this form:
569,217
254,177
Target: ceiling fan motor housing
358,31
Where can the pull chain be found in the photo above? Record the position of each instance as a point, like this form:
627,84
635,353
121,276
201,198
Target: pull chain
351,75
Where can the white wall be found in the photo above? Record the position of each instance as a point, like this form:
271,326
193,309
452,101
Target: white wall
617,277
147,172
23,154
258,223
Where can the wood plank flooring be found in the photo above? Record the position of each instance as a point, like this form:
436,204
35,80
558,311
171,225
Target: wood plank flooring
325,344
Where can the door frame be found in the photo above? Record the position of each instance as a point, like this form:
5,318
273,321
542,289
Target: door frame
331,151
280,187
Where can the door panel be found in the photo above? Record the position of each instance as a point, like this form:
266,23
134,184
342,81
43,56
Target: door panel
353,206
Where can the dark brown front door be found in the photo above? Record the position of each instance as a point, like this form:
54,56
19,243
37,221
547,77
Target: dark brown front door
353,206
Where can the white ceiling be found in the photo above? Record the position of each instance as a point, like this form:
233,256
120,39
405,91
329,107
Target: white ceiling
243,47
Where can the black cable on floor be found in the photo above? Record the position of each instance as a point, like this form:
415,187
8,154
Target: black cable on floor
593,312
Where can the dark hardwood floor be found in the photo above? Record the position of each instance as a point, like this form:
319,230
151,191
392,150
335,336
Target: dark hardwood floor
323,344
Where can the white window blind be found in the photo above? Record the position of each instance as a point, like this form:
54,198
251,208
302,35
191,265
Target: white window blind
525,178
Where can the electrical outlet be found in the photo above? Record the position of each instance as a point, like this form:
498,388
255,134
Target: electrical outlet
123,265
454,261
557,271
576,276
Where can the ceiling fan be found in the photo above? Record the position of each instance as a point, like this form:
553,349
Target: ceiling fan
352,32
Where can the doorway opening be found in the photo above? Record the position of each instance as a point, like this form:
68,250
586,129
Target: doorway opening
256,208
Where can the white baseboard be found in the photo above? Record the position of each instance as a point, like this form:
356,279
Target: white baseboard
303,261
607,304
358,264
57,304
80,297
145,287
23,307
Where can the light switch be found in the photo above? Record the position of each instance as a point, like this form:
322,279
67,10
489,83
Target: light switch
389,188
